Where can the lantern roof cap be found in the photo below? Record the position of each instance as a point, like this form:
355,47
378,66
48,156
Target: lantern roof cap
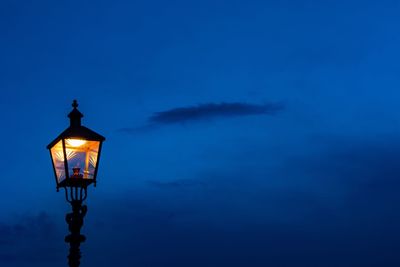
81,132
76,130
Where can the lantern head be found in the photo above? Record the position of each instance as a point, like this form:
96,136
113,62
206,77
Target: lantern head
75,153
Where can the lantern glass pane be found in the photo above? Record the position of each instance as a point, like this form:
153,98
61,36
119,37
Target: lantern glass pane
57,155
81,157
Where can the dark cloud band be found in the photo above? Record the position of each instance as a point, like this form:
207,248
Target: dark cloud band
212,110
184,115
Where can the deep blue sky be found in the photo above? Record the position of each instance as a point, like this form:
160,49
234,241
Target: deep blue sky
239,133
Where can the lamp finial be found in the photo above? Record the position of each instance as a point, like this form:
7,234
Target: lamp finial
75,103
75,115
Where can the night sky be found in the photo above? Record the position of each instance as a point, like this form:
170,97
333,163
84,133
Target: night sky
239,133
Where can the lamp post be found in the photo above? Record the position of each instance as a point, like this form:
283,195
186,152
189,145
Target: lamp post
75,155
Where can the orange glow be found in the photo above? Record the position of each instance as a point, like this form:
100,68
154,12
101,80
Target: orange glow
75,142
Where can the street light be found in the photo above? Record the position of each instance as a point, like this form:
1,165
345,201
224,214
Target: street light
75,155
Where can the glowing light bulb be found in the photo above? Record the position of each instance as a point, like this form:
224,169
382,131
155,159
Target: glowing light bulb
75,142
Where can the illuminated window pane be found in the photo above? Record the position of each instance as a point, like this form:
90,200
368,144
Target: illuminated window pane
58,161
81,157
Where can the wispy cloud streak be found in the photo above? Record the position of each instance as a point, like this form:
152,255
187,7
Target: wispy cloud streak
212,110
180,183
201,112
24,240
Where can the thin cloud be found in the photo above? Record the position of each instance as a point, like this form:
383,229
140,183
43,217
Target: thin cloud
185,115
179,183
211,110
24,239
27,226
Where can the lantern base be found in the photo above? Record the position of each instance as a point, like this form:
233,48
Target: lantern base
76,182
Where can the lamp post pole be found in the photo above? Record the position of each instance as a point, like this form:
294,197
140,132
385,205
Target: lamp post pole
75,155
74,220
75,223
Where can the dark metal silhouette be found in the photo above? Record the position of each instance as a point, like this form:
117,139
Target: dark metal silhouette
75,131
72,180
75,196
75,223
